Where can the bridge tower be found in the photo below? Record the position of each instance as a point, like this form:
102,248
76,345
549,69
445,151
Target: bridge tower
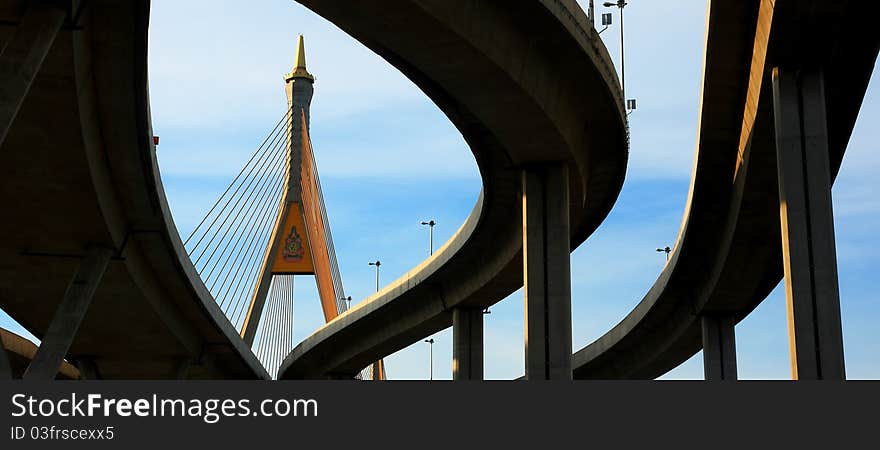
300,242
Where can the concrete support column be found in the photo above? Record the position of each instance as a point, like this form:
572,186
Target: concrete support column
547,272
68,316
809,255
181,369
467,344
378,371
5,366
719,348
23,55
88,370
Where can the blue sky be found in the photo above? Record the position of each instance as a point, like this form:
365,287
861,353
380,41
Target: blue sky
389,158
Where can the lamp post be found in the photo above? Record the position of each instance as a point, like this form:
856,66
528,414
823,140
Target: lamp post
630,105
347,301
376,365
377,264
430,225
666,250
593,13
431,358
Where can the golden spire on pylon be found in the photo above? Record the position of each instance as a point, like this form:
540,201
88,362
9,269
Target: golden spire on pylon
299,69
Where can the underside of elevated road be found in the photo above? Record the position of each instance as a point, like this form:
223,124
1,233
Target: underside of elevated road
78,172
20,352
528,84
728,256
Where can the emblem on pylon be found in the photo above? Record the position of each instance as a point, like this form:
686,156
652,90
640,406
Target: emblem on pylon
293,247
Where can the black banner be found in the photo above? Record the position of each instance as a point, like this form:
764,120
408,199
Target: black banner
380,415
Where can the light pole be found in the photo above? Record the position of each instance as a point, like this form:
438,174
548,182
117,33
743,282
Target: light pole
430,225
347,301
620,5
431,360
377,264
593,13
666,250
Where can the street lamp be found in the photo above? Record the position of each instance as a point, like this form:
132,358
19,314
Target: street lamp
666,250
377,264
620,5
431,360
348,302
430,225
592,13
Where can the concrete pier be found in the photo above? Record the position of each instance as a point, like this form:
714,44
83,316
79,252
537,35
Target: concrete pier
809,255
88,369
69,315
719,348
467,344
547,272
5,366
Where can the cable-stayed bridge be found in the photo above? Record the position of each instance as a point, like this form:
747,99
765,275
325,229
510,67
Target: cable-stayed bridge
92,263
269,225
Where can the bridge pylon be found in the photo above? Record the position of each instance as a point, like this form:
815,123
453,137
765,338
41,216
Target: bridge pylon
300,242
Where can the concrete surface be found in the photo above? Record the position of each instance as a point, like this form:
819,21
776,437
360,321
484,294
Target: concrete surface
79,170
525,83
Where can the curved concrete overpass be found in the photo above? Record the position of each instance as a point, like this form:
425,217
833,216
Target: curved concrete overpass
526,84
20,352
728,255
79,173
